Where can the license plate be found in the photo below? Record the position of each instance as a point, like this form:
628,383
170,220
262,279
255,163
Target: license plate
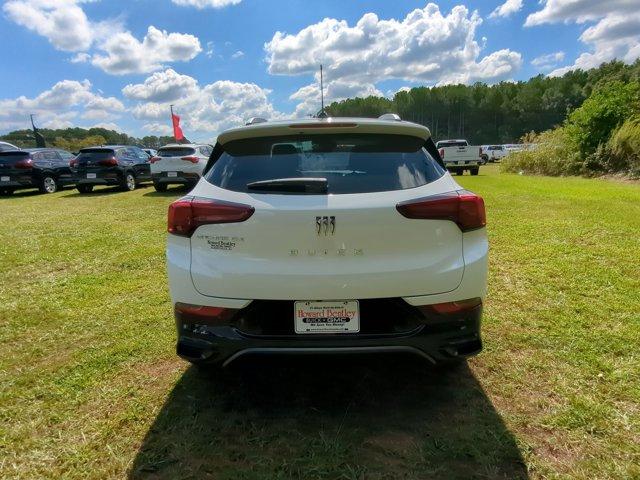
5,179
91,175
460,162
341,316
172,174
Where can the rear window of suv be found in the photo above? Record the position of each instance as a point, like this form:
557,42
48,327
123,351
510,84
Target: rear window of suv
95,153
176,152
351,163
451,144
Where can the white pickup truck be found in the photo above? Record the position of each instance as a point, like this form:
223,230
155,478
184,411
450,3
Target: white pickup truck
459,156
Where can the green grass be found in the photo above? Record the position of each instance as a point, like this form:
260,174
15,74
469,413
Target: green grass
90,386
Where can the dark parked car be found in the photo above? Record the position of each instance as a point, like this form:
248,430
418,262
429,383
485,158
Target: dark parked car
115,165
46,169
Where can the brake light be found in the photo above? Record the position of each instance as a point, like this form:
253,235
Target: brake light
441,152
187,214
24,163
451,308
73,163
109,162
480,151
203,315
191,159
155,159
464,208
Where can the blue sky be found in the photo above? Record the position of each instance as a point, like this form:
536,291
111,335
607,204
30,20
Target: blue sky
121,63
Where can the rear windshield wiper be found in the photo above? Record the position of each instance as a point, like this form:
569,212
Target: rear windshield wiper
291,185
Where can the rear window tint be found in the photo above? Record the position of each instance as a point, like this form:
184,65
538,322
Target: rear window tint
95,154
176,152
451,144
350,163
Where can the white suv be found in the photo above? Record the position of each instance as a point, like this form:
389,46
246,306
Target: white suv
179,164
332,235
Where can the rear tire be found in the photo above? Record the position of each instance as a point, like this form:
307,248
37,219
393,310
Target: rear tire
459,172
160,187
6,191
475,171
85,188
48,184
128,183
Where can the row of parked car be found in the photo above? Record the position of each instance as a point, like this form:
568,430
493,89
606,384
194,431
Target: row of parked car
124,166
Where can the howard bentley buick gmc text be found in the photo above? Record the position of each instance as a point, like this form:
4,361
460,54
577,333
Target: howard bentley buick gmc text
327,236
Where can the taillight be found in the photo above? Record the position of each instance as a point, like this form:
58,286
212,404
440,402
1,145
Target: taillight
464,208
24,163
109,162
187,214
155,159
441,152
480,151
191,159
451,308
199,314
73,163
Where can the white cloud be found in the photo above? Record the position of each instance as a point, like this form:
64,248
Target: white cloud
158,129
125,54
555,11
548,61
62,22
506,9
310,100
81,57
209,50
426,46
205,110
166,86
200,4
238,54
59,107
107,125
106,44
615,32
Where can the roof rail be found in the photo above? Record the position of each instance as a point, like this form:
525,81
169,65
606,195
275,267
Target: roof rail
254,120
390,116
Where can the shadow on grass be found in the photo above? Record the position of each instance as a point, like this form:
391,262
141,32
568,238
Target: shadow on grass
171,192
101,191
341,417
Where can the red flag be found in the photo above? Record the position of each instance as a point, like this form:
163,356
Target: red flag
177,131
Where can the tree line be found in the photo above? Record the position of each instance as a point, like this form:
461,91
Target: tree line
73,139
485,114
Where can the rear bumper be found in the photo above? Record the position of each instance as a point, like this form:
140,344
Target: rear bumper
18,184
467,164
102,178
18,179
436,339
182,178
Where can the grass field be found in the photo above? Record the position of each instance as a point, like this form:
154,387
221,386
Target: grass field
91,388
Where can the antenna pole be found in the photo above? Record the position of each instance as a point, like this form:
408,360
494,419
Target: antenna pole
321,90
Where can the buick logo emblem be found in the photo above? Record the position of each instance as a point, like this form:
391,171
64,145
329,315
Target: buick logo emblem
325,225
